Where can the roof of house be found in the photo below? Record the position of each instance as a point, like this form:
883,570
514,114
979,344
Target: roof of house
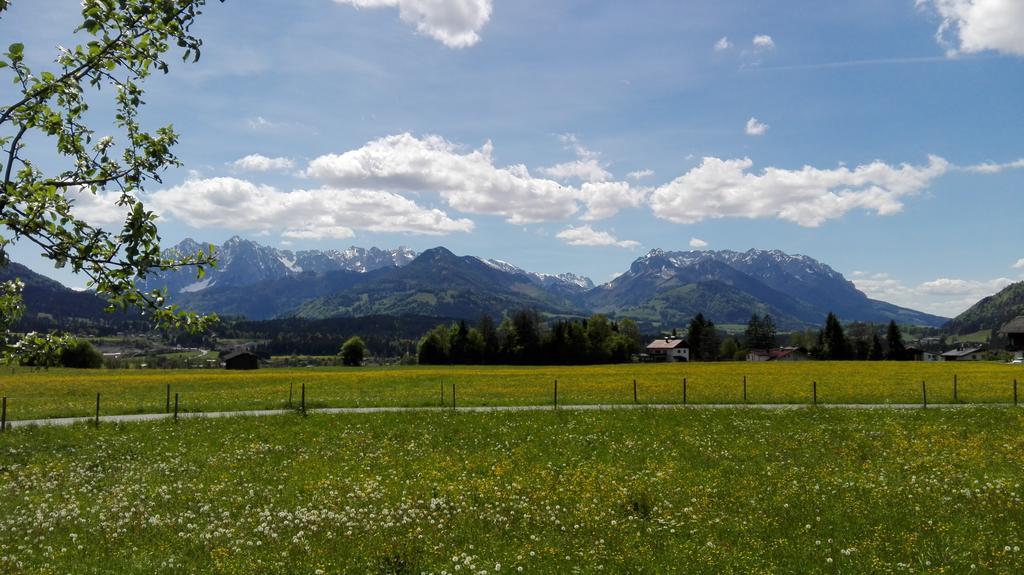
667,343
777,353
963,352
241,353
1014,326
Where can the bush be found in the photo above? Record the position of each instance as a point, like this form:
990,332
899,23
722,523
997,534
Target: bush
81,355
353,351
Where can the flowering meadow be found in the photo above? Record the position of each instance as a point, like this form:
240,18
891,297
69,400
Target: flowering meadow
729,491
66,393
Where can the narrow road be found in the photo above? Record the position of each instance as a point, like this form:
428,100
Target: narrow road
66,421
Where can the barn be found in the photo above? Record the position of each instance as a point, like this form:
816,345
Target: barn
1014,331
241,360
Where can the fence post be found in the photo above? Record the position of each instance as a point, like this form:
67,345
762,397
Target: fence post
442,393
924,394
303,399
744,389
556,394
684,391
1015,393
956,398
814,390
634,392
167,408
3,416
97,410
175,407
453,395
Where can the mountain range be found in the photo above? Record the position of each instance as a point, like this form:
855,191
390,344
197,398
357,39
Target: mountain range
991,313
661,289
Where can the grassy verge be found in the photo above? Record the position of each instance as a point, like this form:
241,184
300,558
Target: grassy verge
66,393
700,492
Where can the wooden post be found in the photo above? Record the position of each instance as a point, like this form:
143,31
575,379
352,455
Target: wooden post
175,407
744,389
453,395
167,409
634,392
97,410
814,388
924,394
303,399
442,393
1015,393
956,398
3,416
556,394
684,391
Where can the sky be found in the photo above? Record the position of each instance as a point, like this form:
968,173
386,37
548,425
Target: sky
882,137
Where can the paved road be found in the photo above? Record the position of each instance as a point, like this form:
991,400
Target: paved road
366,410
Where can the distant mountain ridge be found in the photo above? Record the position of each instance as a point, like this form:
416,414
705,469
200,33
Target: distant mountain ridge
661,289
242,262
667,288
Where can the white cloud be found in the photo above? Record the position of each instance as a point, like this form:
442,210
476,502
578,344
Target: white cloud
588,170
993,168
235,204
99,209
588,236
756,127
764,42
468,182
640,174
808,196
454,23
698,244
260,163
944,296
605,199
1019,265
971,26
723,44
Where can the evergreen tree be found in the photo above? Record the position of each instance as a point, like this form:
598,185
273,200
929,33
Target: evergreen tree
703,339
876,353
490,336
833,341
894,337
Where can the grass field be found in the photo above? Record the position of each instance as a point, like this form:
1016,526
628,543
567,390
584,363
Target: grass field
65,393
731,491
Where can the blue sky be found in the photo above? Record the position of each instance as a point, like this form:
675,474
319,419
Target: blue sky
882,137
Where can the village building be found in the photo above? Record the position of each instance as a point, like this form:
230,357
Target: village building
668,349
778,354
241,360
1014,331
972,353
918,354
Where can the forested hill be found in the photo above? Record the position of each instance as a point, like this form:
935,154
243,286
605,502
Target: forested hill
990,313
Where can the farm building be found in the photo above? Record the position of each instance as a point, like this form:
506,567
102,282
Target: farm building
1014,331
917,354
778,354
668,349
964,354
241,360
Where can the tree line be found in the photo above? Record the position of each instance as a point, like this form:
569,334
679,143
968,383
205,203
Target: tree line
524,337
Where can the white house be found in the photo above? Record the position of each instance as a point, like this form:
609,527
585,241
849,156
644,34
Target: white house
668,349
918,354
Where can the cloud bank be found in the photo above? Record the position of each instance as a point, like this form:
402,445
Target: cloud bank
971,26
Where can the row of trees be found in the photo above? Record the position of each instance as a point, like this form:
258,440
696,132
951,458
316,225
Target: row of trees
525,337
